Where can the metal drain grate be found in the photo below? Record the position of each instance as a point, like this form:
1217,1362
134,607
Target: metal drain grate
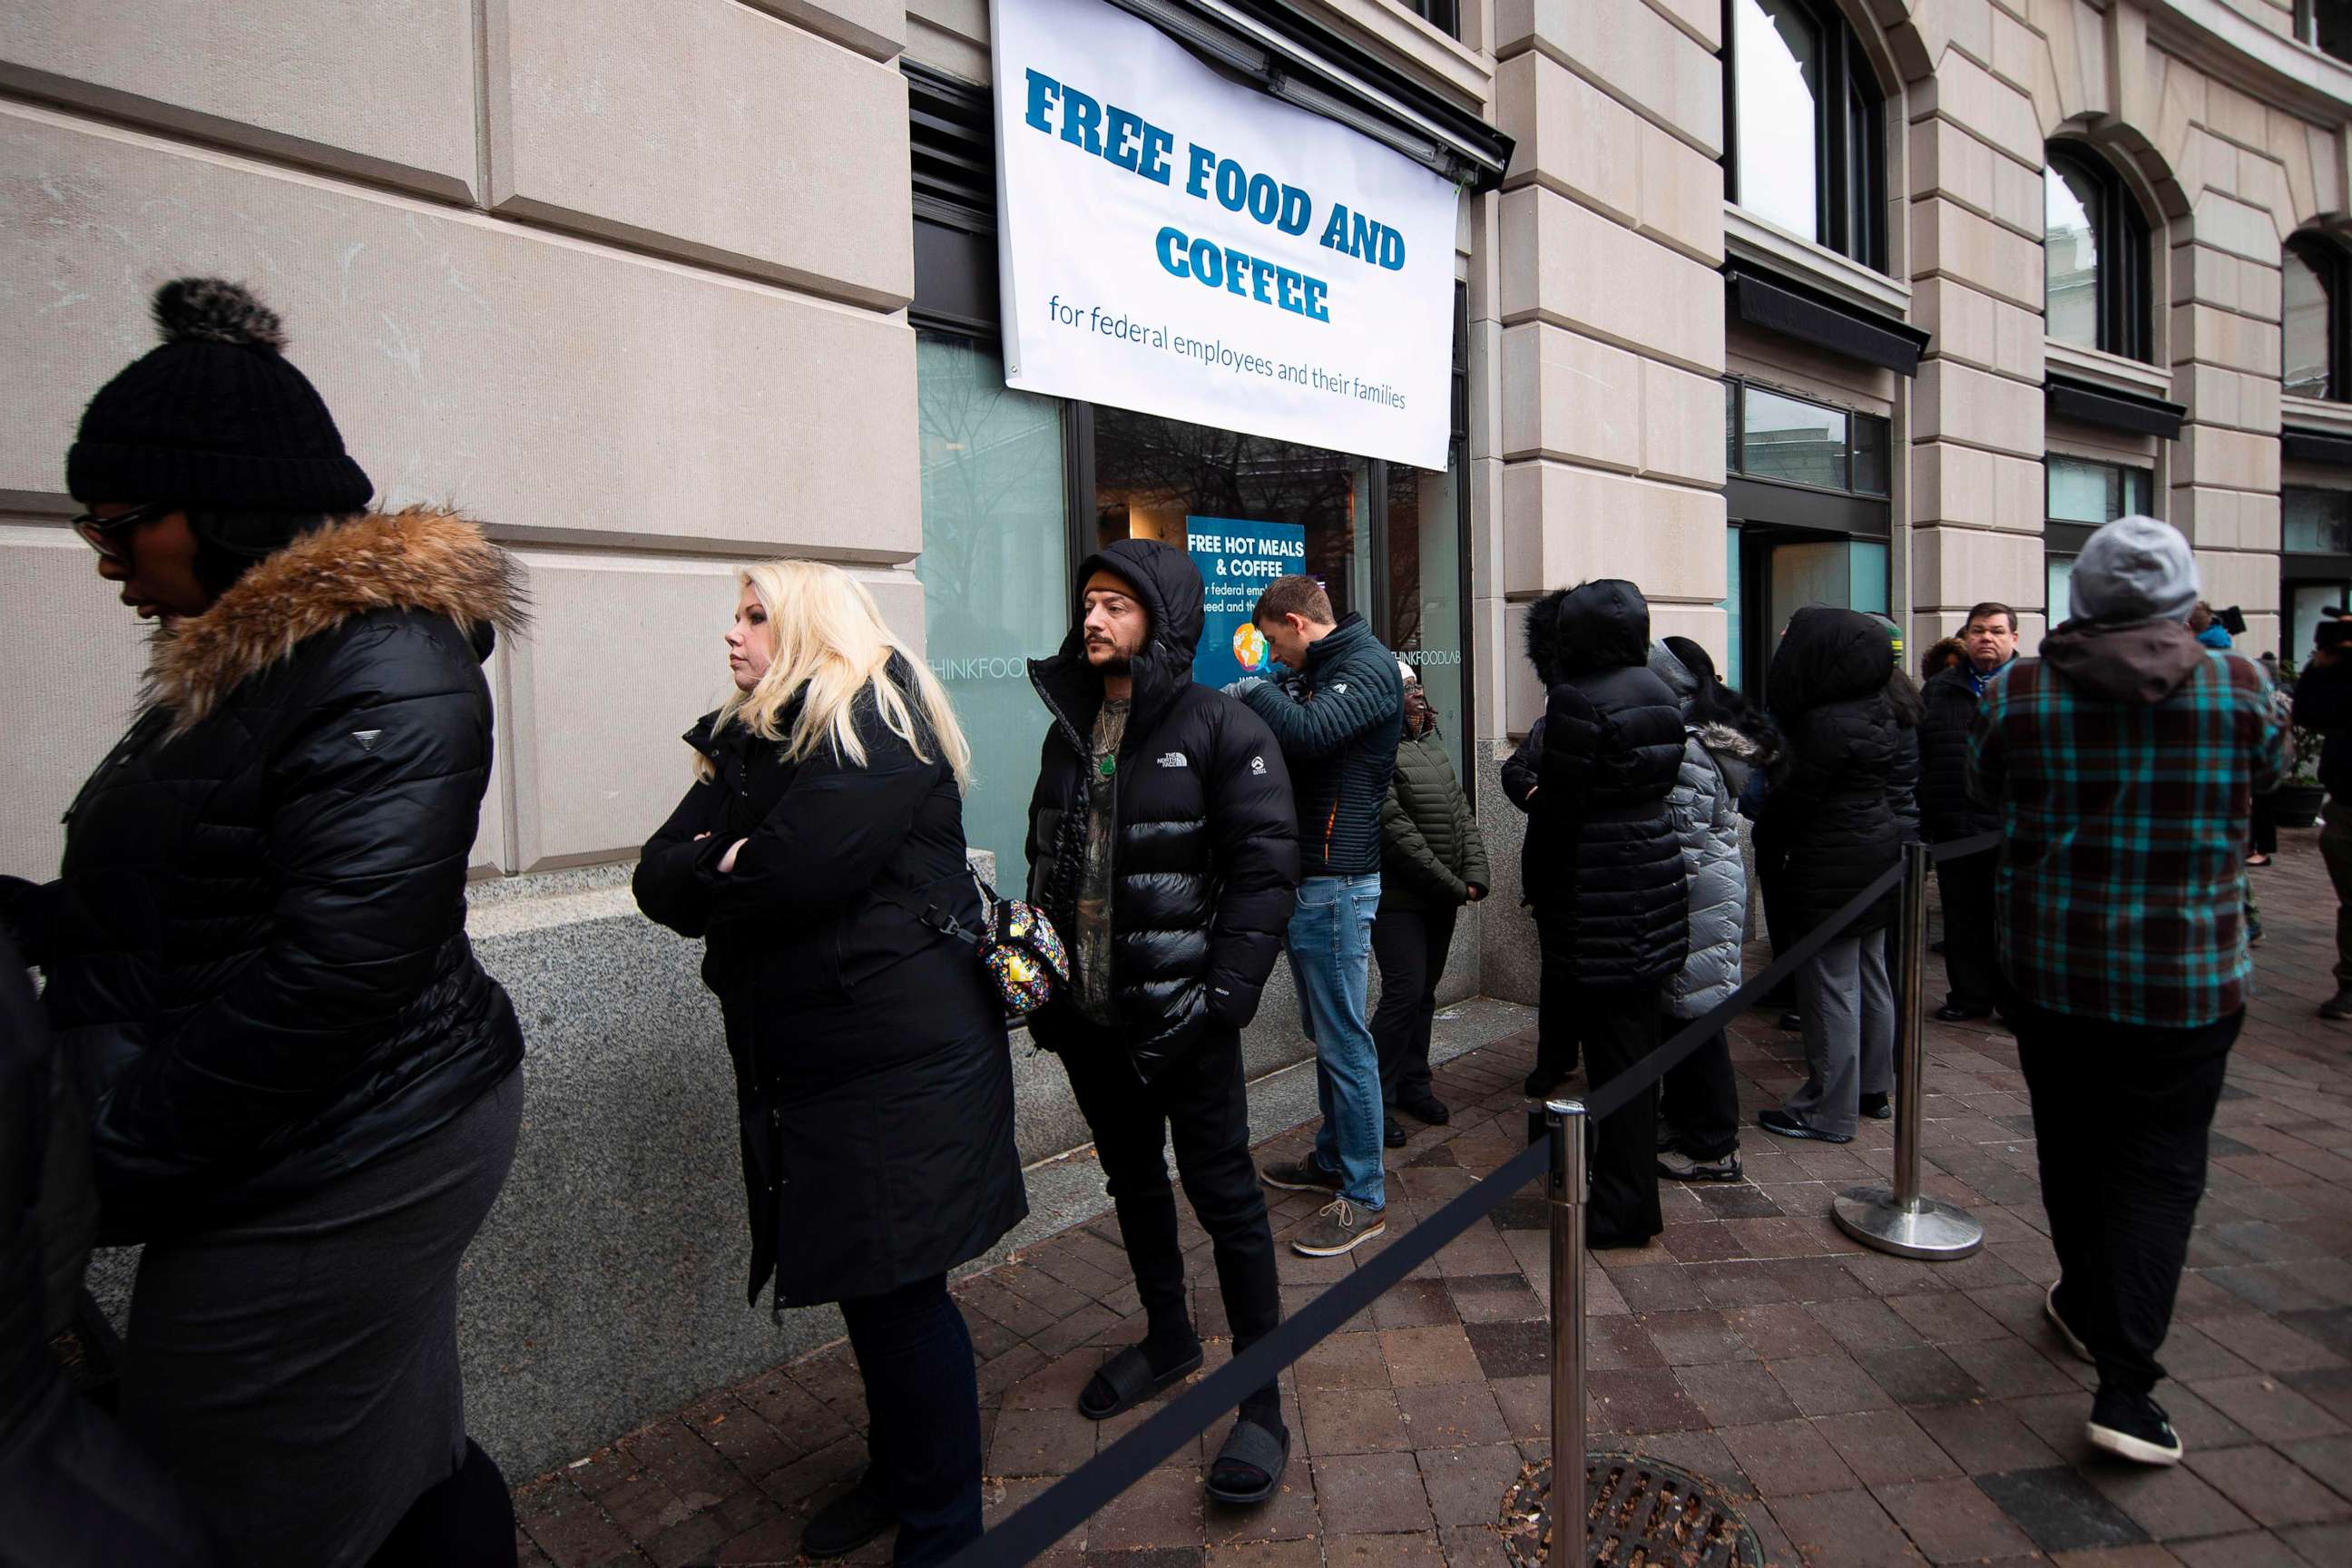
1642,1514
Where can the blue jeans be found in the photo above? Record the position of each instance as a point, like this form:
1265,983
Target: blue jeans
1330,945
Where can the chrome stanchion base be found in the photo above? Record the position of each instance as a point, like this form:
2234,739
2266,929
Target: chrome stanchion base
1922,1228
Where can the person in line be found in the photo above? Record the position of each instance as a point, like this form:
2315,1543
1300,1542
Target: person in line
1162,845
1554,968
2123,760
1432,861
1947,812
2322,701
1338,723
75,1490
1698,1099
304,1089
2210,632
1831,825
1612,901
873,1081
1941,656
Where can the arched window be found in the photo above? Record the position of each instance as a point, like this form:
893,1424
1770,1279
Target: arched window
2312,338
1804,127
2095,256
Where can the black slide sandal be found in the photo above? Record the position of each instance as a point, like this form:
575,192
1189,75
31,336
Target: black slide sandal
1252,1446
1129,1379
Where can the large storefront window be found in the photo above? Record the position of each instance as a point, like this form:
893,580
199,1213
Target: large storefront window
1426,615
996,572
2316,567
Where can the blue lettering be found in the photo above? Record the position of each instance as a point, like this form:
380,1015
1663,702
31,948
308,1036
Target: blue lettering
1208,262
1170,246
1233,185
1157,145
1043,90
1260,282
1265,198
1203,163
1119,140
1334,233
1081,120
1287,285
1296,209
1315,292
1237,264
1363,234
1392,250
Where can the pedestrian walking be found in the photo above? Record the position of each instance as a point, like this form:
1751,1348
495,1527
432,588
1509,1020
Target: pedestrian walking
1162,845
1611,901
1338,723
2323,702
1947,813
819,842
2122,761
1698,1099
1432,861
303,1087
1832,827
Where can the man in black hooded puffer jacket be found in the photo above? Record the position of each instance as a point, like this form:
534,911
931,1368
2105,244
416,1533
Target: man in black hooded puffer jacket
1604,869
1162,846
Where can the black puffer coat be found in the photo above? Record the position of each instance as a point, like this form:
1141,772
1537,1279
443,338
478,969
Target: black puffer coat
1946,810
1339,721
1604,864
257,946
1432,851
1829,827
1205,860
1903,780
873,1079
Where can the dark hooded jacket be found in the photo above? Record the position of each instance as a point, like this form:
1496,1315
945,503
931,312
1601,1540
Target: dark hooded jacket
256,948
1339,721
1432,851
1206,853
2323,702
1903,785
873,1081
1830,825
1604,862
1946,809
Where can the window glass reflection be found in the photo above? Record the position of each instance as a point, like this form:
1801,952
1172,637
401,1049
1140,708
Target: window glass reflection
2070,251
1777,54
1424,608
2306,340
1869,454
1801,443
2317,520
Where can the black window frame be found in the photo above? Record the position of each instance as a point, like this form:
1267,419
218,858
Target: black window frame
2123,309
1849,206
2333,265
1446,16
2306,28
1865,514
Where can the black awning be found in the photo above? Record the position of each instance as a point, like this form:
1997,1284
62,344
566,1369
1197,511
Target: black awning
2314,447
1778,304
2087,403
1463,146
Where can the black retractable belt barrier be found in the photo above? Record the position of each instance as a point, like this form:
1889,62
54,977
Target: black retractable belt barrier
1080,1495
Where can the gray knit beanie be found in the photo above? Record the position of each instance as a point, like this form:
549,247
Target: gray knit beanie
2134,569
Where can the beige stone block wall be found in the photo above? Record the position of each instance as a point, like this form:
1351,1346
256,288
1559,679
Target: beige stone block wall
675,343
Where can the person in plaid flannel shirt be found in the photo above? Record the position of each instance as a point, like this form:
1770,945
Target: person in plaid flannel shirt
2122,761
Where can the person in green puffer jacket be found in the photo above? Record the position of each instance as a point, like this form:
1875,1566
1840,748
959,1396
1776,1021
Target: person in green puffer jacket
1432,861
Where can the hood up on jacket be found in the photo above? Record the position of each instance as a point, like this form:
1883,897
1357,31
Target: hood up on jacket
2131,592
1169,586
2137,661
1675,674
1828,654
422,558
1600,625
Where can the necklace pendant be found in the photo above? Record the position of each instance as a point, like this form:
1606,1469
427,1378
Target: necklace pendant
1107,767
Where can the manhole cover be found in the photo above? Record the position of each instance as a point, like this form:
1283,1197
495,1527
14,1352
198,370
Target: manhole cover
1641,1514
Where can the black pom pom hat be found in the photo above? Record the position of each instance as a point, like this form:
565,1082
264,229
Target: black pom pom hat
215,416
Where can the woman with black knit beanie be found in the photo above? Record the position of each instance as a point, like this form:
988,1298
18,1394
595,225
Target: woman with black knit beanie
304,1088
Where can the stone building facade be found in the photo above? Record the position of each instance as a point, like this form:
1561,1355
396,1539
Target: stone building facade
654,289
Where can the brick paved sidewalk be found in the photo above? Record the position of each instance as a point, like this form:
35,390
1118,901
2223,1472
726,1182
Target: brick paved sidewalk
1865,1409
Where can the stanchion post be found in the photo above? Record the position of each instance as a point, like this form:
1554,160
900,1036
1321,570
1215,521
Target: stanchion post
1902,1219
1565,1122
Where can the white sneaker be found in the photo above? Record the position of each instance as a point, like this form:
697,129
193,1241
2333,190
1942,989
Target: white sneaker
2067,1336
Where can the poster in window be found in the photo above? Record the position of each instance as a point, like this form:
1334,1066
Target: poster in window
1238,559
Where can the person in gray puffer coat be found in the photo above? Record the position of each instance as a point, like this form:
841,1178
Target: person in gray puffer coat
1698,1110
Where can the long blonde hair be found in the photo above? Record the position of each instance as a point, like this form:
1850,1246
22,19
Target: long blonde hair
832,649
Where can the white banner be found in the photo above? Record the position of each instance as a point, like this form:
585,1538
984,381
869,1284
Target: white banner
1182,244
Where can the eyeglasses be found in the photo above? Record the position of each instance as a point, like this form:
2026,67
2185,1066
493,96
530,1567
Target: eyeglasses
100,533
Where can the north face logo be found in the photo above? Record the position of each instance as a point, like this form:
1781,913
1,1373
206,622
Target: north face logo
367,738
1257,767
1175,760
1340,686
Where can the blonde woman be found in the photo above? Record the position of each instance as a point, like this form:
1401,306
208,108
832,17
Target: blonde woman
871,1069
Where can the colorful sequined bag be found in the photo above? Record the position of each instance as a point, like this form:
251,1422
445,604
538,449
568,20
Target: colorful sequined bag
1017,945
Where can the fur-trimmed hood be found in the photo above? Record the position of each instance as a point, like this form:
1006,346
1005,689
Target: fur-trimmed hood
422,558
1725,740
1600,625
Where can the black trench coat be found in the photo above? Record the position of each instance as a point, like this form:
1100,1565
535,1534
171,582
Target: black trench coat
872,1072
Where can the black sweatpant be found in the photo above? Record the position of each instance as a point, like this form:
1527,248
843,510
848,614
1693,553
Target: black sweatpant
2121,1115
1699,1098
1555,998
922,1404
1618,1028
1200,1102
1409,946
1969,957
